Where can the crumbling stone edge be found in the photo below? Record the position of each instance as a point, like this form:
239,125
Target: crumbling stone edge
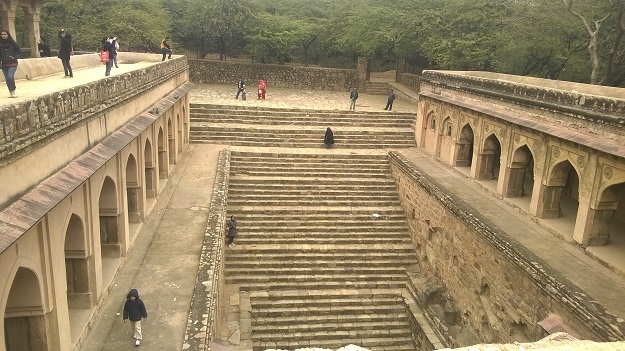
204,312
568,295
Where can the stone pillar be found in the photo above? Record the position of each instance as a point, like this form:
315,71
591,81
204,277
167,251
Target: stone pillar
591,225
549,201
32,22
133,205
514,180
400,67
363,71
7,16
486,163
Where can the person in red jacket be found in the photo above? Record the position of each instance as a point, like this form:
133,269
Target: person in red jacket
262,89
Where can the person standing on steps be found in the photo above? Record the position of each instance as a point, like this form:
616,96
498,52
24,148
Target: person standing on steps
391,98
10,52
232,231
134,309
240,87
65,51
328,139
353,96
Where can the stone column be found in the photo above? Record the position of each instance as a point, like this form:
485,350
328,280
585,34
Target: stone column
32,22
549,201
514,179
7,16
363,71
400,67
486,163
591,225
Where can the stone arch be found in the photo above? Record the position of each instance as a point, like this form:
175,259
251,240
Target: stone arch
489,159
429,134
444,144
109,215
520,174
607,217
171,142
132,189
560,192
464,156
25,326
150,170
162,154
447,127
77,268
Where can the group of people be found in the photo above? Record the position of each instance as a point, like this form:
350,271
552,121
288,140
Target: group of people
241,89
353,96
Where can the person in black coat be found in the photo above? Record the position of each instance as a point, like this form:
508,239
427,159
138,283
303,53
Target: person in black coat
65,50
108,44
328,139
10,52
134,309
44,48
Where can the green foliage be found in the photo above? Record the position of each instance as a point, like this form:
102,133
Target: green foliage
136,23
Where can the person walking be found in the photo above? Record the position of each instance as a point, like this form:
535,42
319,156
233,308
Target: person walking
109,46
389,102
134,310
232,231
65,51
165,49
116,50
353,96
328,139
240,87
9,54
262,87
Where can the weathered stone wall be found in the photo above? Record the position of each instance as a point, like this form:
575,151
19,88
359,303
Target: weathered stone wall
411,80
501,288
206,71
592,110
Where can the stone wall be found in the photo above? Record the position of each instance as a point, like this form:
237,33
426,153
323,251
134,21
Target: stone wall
413,81
501,289
206,71
592,110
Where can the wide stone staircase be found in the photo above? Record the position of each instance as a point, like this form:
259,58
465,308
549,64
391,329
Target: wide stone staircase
322,251
271,127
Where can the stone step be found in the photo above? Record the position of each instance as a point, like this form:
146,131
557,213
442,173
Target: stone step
301,134
318,274
217,109
248,240
355,322
260,306
368,228
316,196
319,252
372,344
279,179
324,294
316,202
319,189
252,285
275,143
269,155
318,211
319,173
349,216
333,310
268,263
202,120
303,171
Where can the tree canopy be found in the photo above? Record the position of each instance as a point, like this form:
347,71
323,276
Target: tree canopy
577,40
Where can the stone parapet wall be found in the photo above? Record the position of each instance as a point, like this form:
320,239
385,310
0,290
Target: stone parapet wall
205,312
206,71
487,274
412,81
587,108
27,123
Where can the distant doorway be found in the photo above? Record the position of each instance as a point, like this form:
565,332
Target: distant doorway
490,159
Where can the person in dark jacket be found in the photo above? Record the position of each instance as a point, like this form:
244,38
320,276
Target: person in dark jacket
240,87
9,54
353,96
134,309
232,231
165,49
108,44
65,50
328,139
389,102
44,48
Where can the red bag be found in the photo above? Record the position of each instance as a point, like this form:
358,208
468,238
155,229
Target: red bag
104,56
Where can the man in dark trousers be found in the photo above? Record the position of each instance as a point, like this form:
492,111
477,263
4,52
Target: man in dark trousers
65,50
165,49
353,96
232,231
391,98
241,88
134,309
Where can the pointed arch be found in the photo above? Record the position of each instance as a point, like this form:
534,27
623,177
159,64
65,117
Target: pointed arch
464,155
150,170
489,159
520,174
24,313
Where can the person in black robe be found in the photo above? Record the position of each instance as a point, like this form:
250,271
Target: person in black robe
328,139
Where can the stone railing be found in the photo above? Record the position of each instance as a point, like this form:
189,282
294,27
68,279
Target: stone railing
205,71
412,81
32,121
595,103
204,313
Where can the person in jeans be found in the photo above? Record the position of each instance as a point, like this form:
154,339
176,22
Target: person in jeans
65,50
108,45
9,53
389,102
165,49
353,96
